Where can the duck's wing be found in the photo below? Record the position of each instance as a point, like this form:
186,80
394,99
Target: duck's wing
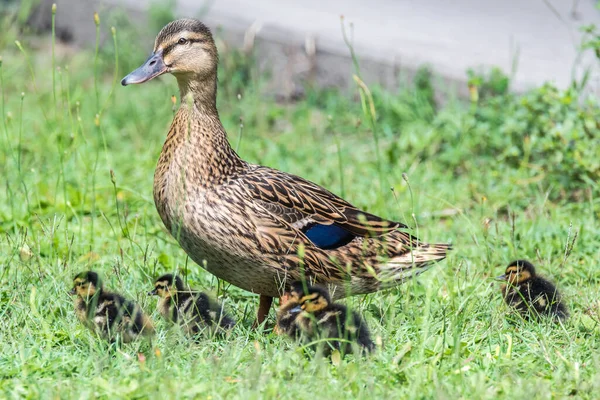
298,223
323,216
290,246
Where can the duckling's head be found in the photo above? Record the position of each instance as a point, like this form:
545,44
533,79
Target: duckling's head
297,290
184,48
86,284
310,298
167,285
518,271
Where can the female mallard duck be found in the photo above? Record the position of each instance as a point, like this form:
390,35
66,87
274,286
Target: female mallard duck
310,313
254,226
108,314
193,310
530,294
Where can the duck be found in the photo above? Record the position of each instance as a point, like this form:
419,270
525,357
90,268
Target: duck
108,314
530,294
193,310
307,312
253,226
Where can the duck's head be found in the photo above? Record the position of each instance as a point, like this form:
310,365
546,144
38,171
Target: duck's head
184,48
310,298
518,272
166,286
86,284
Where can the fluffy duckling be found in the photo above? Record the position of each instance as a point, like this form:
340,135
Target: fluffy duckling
193,310
309,312
289,310
106,313
530,294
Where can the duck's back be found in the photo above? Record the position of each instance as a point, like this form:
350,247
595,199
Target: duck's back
346,324
546,298
537,296
116,315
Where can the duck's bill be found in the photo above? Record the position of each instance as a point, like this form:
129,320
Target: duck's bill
72,291
153,292
153,67
500,278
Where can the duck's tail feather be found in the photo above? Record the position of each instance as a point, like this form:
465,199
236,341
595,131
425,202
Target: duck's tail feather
423,256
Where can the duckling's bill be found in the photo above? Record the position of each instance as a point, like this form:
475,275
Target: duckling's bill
153,67
296,310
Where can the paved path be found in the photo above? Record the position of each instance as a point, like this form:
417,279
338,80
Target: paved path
540,37
451,36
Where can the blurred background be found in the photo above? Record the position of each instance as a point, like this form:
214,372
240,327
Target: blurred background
533,41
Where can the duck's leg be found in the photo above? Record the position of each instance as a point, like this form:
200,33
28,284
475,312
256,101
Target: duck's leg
264,307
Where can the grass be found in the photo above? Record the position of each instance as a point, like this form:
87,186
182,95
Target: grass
77,166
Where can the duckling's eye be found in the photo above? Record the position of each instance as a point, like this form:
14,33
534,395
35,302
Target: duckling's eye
182,41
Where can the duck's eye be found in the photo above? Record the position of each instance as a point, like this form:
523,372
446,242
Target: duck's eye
182,41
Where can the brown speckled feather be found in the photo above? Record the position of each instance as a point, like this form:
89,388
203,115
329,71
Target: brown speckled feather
298,199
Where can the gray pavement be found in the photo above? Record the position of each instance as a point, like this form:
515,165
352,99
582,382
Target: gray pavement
539,37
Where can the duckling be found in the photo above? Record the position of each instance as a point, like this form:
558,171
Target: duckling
530,294
247,223
106,313
289,310
193,310
311,313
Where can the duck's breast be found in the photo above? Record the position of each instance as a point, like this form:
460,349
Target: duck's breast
214,228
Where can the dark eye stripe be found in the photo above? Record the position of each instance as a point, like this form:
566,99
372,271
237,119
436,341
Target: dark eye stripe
170,47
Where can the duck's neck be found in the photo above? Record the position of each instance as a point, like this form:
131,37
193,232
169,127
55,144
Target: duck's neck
199,136
201,92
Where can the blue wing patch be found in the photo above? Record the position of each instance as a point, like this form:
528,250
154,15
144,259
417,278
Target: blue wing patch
328,237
